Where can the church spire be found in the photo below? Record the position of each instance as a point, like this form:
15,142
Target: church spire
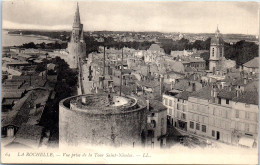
77,17
217,32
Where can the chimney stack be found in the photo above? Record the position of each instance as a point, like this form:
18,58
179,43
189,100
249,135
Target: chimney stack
148,104
193,87
237,93
172,83
245,81
161,85
83,100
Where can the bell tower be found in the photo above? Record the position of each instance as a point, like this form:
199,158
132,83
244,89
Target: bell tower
76,45
216,51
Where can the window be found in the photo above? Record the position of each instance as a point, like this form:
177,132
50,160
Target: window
226,114
219,100
203,127
247,115
153,123
166,101
170,102
192,125
197,118
197,126
227,101
247,127
220,52
170,111
212,52
178,107
213,133
183,116
237,113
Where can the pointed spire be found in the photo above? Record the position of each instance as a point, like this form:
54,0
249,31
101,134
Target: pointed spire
217,32
217,29
77,17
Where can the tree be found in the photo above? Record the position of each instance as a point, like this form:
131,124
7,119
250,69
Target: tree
242,52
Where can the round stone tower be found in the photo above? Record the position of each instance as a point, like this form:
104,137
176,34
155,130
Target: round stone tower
102,120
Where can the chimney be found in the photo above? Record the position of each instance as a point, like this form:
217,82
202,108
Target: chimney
193,87
83,100
161,85
245,80
237,93
215,92
172,83
148,104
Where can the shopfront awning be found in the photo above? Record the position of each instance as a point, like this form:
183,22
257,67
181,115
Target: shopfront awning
246,141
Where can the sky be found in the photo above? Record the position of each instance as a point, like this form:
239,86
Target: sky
162,16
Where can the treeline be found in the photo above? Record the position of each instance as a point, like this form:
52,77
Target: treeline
170,45
92,45
43,45
241,52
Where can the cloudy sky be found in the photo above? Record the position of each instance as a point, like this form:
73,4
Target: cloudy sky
163,16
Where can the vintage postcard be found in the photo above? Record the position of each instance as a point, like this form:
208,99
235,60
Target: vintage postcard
167,82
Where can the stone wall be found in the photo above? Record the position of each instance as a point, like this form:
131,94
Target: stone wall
77,127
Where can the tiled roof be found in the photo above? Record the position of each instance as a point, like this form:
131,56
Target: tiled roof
248,97
8,101
204,93
29,135
152,83
11,95
240,82
183,95
156,106
254,63
227,94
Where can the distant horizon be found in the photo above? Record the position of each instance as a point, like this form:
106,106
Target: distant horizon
160,16
68,30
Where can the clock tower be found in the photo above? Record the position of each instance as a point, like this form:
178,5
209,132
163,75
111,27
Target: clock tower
216,51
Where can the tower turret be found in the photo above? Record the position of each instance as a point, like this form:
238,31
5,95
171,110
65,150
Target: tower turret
216,51
77,45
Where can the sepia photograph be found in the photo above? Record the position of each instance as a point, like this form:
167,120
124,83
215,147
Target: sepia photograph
130,82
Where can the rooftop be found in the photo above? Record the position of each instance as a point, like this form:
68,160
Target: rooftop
183,95
227,94
248,97
151,84
101,103
156,106
254,63
203,93
29,135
